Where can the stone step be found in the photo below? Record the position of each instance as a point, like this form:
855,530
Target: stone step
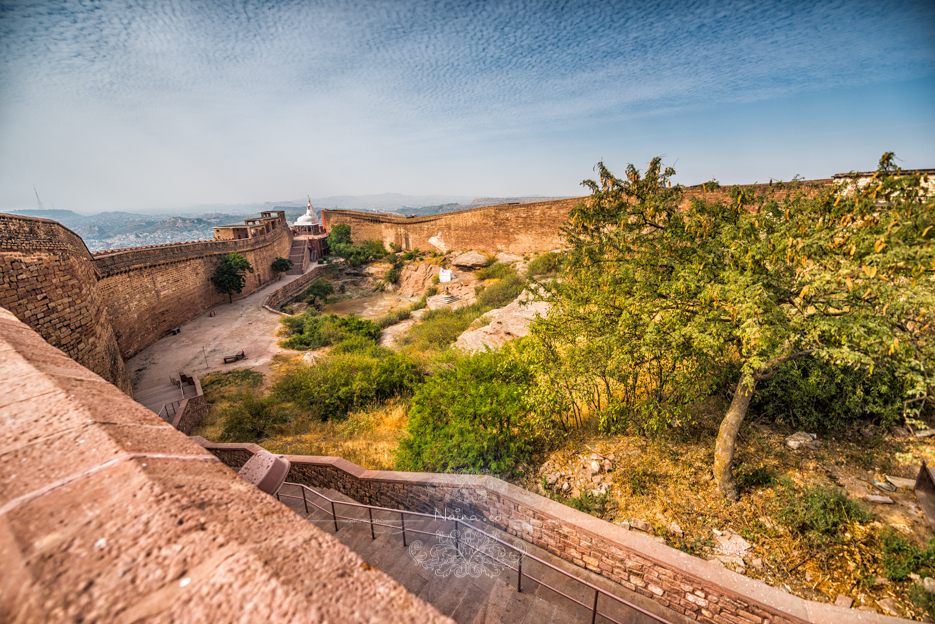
488,598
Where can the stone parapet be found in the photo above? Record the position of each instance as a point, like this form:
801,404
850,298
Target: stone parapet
690,586
278,296
108,514
48,280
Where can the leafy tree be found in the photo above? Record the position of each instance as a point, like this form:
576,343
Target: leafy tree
320,288
311,330
844,274
229,276
340,235
281,265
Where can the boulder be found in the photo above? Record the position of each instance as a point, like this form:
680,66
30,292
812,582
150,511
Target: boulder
798,440
507,258
675,529
929,583
642,525
471,260
415,278
882,500
899,482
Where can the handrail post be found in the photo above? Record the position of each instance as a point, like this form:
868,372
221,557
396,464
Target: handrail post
370,511
335,516
594,612
402,521
519,577
305,500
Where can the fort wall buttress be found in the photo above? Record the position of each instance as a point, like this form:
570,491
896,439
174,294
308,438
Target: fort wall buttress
48,281
148,291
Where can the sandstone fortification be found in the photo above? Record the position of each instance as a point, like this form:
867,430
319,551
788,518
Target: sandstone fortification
103,308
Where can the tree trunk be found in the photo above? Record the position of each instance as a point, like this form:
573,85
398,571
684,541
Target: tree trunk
230,297
727,436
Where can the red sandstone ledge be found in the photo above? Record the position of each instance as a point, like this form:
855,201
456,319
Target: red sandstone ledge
108,514
710,579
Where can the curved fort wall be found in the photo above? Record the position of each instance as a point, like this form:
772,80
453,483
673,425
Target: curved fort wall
150,290
101,309
49,281
515,228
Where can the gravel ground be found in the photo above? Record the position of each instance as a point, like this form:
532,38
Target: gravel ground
241,325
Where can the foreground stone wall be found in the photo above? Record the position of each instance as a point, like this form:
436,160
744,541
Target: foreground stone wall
695,588
148,291
107,514
48,280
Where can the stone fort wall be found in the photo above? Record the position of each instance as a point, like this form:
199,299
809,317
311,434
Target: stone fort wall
515,228
49,281
103,308
149,290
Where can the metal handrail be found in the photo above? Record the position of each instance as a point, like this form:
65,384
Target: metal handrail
519,569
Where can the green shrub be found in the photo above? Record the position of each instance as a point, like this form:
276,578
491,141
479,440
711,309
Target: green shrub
393,317
439,328
217,385
501,293
311,330
901,558
497,270
431,291
819,514
749,477
470,417
249,417
361,345
344,382
547,264
411,255
320,288
418,305
819,396
340,243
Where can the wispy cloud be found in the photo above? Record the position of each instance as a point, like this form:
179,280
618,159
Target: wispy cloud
442,69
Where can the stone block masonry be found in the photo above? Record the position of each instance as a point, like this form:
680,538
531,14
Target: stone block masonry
108,514
697,589
151,290
515,228
49,281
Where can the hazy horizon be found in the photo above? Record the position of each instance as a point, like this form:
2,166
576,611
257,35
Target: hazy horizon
107,107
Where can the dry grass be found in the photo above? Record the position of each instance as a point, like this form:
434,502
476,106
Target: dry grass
367,438
668,478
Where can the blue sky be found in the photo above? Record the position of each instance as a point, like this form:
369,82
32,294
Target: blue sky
134,105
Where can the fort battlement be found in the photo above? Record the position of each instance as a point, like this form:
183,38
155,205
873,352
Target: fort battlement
103,308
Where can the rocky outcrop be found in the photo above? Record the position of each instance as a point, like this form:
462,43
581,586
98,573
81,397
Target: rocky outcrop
415,278
471,260
505,324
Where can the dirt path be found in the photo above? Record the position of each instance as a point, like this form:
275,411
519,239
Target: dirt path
241,325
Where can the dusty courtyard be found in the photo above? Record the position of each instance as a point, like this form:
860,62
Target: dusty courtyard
204,341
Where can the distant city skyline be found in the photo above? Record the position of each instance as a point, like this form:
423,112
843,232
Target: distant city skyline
164,106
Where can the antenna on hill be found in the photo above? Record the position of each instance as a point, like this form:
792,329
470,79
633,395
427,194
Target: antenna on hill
38,201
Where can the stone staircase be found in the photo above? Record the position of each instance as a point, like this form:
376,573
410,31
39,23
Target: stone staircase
297,254
489,598
155,398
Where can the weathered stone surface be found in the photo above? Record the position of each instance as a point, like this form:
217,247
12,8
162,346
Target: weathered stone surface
506,323
507,258
843,601
415,278
882,500
675,529
471,260
642,525
798,440
929,583
902,483
888,605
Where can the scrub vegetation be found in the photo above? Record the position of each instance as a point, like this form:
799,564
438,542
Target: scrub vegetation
672,326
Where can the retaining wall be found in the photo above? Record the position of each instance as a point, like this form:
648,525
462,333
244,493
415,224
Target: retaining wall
695,588
48,280
148,291
278,296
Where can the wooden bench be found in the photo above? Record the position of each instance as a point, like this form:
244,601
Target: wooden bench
233,358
